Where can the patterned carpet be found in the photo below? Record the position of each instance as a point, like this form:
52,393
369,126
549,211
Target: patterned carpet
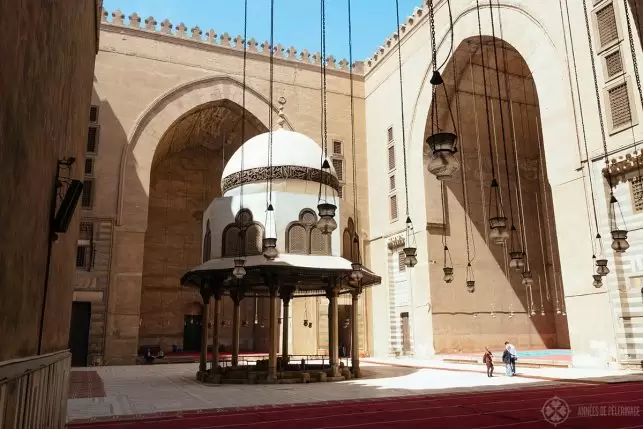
86,384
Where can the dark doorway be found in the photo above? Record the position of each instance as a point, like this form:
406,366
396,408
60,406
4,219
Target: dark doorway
345,331
81,313
192,326
406,333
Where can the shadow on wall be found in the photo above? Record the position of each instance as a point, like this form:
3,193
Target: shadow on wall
498,311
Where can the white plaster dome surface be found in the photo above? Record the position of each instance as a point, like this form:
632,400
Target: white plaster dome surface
288,148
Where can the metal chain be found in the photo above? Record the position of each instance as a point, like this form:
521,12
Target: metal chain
486,97
399,60
633,51
353,154
598,97
434,51
582,122
272,71
242,246
502,116
323,60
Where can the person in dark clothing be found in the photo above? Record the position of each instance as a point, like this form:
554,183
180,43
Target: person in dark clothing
506,359
488,360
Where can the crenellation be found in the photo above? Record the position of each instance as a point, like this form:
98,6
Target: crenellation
197,33
279,51
252,46
390,43
150,23
225,41
118,17
238,42
181,30
166,26
134,20
211,36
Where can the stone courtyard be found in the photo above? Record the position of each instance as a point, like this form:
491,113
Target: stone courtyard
131,391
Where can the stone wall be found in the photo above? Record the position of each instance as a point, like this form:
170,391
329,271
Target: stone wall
49,51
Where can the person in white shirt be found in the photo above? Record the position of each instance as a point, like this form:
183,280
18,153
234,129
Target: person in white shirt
513,356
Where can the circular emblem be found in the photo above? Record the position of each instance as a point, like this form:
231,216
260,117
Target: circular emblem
555,410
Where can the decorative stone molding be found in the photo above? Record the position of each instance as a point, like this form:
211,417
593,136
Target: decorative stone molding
279,172
619,168
396,242
224,40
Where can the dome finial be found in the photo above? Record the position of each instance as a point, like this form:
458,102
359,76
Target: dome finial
282,119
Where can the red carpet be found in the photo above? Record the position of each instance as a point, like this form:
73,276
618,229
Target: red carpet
591,407
86,384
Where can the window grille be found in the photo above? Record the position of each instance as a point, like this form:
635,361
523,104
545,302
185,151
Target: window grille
391,157
297,240
620,105
614,63
89,166
319,243
254,240
606,21
92,139
636,190
338,165
393,201
93,114
391,181
401,258
87,198
390,134
337,147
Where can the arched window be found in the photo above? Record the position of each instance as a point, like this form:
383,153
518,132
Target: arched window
350,246
243,232
304,238
207,243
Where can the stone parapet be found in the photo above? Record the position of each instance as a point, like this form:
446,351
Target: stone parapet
212,38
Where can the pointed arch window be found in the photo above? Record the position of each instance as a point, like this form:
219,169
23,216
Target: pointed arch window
350,246
244,230
207,243
304,238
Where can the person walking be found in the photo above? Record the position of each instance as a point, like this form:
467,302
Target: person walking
513,356
488,360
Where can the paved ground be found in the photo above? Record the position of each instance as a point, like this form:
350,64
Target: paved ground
136,390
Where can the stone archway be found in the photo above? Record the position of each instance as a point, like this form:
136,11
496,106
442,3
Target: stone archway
152,146
502,308
537,34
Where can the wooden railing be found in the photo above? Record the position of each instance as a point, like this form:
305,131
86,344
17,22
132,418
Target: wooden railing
33,392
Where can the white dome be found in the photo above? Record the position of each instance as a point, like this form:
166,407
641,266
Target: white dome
289,148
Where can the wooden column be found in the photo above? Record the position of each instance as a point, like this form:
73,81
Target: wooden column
286,296
333,333
216,330
237,297
203,358
355,333
272,334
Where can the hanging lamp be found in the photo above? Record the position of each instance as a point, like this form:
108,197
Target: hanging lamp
410,249
443,163
471,281
270,239
517,256
239,271
619,233
326,206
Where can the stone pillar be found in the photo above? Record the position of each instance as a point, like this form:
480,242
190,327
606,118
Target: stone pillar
355,333
237,297
203,358
286,296
272,335
333,333
215,331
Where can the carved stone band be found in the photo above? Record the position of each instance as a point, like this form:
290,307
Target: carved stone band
279,172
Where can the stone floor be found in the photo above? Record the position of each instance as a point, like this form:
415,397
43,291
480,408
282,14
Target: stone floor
136,390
